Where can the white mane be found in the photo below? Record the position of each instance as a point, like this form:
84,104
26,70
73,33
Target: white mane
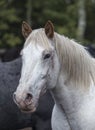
75,61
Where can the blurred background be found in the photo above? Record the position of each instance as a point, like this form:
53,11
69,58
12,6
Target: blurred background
73,18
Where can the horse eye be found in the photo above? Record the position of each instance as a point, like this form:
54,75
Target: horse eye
47,56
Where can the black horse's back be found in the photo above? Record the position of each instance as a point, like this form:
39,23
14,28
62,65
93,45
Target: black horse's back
11,117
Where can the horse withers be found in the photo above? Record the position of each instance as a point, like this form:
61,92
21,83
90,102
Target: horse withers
53,61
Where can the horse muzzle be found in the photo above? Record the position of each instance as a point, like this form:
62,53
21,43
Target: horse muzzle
27,105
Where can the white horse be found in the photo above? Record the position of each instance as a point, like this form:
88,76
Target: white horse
52,61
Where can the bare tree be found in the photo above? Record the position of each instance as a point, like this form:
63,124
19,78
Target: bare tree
29,11
93,1
81,19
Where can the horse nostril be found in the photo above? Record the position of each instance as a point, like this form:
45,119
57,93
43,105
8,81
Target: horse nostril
28,98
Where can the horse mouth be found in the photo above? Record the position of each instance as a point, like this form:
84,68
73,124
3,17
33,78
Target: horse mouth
28,110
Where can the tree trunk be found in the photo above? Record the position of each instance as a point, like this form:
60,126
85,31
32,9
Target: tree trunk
29,11
81,20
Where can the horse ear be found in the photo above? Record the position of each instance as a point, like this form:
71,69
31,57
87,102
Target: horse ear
49,29
26,29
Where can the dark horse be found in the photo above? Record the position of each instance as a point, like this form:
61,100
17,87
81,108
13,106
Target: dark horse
10,115
11,118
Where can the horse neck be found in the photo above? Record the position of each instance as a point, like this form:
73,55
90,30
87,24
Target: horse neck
78,105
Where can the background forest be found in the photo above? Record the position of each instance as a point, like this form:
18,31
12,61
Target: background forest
73,18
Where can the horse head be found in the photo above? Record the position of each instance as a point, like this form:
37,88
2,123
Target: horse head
40,66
